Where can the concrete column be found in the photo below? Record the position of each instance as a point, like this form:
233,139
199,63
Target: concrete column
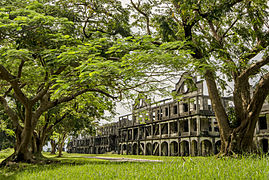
181,149
198,125
160,148
191,105
168,148
145,131
160,130
201,105
168,127
190,149
199,148
213,146
212,125
180,107
192,152
203,148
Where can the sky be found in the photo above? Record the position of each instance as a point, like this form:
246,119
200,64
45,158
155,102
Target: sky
121,109
124,2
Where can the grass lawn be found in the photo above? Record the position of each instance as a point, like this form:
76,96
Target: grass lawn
75,166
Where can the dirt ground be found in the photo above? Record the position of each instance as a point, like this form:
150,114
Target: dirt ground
122,159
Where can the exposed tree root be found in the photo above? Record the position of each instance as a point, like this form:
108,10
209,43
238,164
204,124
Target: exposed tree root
34,159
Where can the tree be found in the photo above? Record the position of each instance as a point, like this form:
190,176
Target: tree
74,118
52,53
81,123
38,65
229,41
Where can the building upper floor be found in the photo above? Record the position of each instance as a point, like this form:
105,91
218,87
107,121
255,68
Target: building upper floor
188,113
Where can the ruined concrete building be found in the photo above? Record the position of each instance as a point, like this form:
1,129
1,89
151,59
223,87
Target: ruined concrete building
169,127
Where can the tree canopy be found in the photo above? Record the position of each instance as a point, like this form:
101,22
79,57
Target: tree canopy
52,52
229,41
43,53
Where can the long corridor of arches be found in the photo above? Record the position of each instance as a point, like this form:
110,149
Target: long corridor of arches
194,147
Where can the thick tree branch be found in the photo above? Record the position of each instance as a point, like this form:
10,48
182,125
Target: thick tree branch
47,104
20,69
261,45
7,92
221,41
144,14
241,96
12,114
259,95
214,32
254,68
5,75
224,7
57,122
41,93
84,28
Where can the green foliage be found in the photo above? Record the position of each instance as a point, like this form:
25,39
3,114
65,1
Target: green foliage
7,139
7,135
222,35
232,117
56,52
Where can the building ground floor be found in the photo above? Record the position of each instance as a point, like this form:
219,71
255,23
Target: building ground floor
184,146
194,146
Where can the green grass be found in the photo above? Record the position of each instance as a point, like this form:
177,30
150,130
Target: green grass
74,166
5,153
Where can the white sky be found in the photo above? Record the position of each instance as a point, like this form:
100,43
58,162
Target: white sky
124,2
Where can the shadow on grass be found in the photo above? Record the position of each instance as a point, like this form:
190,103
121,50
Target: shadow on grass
11,172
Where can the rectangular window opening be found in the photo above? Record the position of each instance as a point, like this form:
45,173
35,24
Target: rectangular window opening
262,122
166,111
175,109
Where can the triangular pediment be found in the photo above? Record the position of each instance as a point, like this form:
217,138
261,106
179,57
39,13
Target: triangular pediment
185,84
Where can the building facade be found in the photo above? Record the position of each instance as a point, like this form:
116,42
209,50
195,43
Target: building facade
169,127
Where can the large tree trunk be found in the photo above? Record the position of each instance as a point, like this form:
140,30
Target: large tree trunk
53,146
220,113
241,139
22,151
37,144
23,146
238,140
61,144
